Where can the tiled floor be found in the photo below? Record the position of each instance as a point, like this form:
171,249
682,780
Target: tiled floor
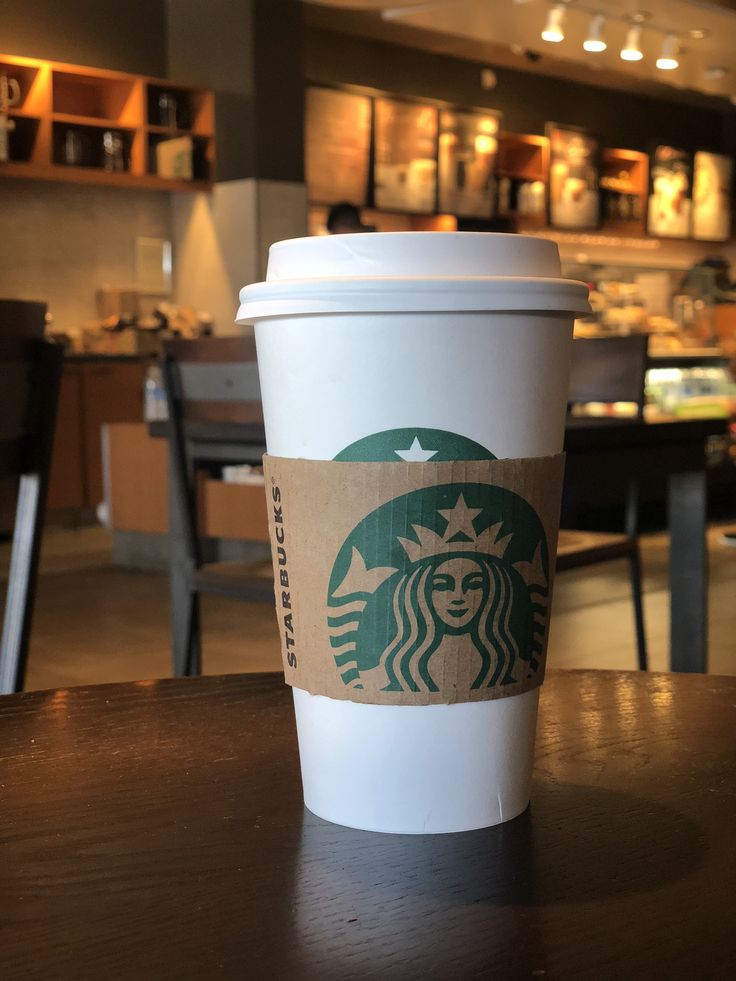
96,623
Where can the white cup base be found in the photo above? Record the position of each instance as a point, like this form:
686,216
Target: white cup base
416,769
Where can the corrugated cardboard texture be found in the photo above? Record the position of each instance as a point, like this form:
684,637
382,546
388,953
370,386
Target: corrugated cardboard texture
414,583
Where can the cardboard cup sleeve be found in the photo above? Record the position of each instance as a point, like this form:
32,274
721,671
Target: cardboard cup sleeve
414,583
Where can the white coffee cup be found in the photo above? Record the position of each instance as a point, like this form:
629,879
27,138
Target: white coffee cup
468,333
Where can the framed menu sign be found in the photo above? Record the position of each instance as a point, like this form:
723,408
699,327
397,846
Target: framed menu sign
338,137
712,188
468,146
405,156
670,192
574,198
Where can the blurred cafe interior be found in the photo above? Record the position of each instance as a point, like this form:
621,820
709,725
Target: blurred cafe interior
326,761
152,151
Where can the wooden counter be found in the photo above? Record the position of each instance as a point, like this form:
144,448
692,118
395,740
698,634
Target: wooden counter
95,390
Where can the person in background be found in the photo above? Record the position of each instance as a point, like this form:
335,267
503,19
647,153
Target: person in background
344,218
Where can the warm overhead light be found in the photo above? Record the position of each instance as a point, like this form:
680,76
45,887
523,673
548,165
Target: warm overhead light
485,144
698,34
594,41
667,61
631,50
553,28
488,125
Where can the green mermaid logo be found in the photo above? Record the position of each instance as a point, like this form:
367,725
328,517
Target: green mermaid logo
441,569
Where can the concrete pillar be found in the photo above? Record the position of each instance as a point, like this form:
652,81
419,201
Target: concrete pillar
250,53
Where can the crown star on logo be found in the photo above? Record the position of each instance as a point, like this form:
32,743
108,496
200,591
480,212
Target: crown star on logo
459,536
416,453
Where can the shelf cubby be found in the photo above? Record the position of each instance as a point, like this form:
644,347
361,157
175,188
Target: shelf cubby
89,141
22,138
523,157
27,74
202,162
624,186
109,99
187,109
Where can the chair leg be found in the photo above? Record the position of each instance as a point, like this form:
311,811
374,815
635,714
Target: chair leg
21,586
194,644
636,595
185,630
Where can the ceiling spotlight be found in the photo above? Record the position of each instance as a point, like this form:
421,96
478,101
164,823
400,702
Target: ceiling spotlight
667,61
631,50
594,41
697,34
553,28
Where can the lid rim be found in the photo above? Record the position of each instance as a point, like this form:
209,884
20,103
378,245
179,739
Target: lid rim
412,294
382,285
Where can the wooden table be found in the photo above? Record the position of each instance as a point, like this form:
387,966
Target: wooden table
602,456
156,831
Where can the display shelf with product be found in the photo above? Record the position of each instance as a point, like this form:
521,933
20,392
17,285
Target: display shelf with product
89,125
95,145
523,171
179,156
690,341
624,182
171,107
523,156
22,137
29,77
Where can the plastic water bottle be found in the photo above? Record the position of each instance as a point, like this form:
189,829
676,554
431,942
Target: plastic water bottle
155,408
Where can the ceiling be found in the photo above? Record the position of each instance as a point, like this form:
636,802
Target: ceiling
508,33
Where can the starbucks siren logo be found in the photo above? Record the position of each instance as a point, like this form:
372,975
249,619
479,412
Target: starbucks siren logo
460,560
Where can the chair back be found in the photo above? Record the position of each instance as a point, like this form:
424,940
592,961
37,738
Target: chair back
609,369
214,380
30,369
21,353
211,384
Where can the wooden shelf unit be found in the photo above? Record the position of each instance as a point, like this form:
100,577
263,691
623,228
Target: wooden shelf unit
523,157
624,175
57,98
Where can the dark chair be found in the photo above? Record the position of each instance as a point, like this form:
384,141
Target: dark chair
30,369
610,369
212,390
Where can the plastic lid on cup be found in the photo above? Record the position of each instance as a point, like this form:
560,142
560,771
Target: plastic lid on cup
412,271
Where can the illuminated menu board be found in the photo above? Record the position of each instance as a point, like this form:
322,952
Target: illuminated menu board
670,192
712,188
338,135
405,156
574,198
468,146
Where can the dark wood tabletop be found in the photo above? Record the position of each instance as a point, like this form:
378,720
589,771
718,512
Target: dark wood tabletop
156,831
